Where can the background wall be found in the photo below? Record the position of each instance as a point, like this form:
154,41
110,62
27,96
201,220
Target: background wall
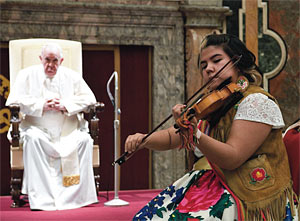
284,19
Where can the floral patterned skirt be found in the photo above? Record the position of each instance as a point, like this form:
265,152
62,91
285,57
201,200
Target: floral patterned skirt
198,195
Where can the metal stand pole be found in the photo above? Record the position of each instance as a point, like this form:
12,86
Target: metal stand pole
116,201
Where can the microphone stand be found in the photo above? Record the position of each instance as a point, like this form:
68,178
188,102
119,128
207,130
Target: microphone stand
115,102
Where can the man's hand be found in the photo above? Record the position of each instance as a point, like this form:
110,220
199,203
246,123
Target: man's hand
54,104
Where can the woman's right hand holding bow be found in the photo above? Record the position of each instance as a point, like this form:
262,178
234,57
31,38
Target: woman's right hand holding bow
134,142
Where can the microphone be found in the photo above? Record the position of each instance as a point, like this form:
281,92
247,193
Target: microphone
114,74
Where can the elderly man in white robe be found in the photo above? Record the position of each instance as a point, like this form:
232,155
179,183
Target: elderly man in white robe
57,149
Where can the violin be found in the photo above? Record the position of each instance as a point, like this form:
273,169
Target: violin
207,105
233,61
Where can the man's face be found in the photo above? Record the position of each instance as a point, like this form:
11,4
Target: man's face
51,60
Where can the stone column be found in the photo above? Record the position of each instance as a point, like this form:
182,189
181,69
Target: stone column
201,18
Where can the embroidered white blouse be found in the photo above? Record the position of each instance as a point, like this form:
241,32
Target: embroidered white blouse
257,107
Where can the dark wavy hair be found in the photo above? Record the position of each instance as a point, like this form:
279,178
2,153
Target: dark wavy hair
233,46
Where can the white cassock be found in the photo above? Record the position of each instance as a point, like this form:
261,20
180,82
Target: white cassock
57,149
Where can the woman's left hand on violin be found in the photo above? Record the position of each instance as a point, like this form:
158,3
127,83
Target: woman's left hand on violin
183,121
177,110
186,123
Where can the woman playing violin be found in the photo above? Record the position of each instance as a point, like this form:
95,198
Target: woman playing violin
241,169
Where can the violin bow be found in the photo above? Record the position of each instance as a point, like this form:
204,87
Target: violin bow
234,61
125,156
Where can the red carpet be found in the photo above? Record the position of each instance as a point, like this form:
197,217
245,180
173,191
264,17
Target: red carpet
136,198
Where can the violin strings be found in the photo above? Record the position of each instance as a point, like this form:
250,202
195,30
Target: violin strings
228,67
225,68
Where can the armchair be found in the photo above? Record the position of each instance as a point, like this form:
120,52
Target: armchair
24,53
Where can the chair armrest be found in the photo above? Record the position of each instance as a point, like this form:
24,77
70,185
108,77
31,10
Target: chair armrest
15,122
94,120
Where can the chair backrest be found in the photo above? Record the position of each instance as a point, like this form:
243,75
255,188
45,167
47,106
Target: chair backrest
25,52
291,139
